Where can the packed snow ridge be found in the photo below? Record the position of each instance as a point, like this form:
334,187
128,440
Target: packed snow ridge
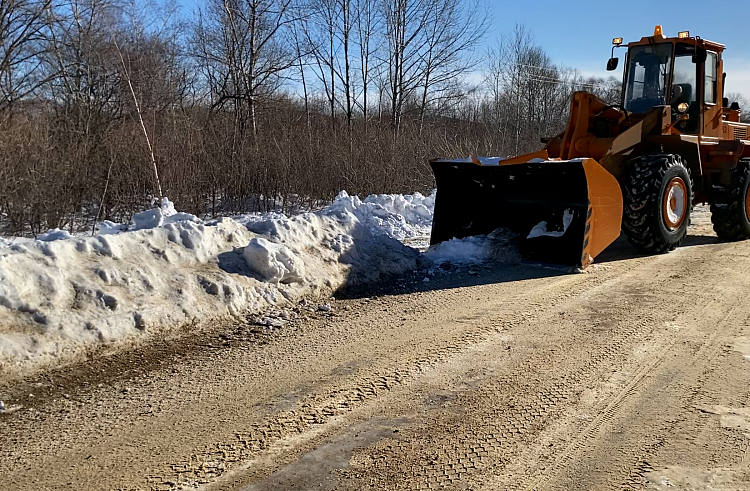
60,294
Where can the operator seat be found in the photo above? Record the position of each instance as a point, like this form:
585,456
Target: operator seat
682,93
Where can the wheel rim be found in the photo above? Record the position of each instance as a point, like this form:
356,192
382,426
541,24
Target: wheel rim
675,205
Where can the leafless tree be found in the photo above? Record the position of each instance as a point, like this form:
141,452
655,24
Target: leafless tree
243,53
369,23
744,104
22,24
405,21
529,96
452,32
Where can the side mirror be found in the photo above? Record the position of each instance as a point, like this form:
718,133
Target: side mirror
612,64
700,55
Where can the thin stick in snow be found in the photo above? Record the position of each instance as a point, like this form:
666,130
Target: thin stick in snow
140,119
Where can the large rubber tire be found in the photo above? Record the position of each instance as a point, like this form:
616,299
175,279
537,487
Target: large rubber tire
646,193
731,205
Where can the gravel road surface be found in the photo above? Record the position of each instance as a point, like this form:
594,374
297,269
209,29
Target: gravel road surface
631,375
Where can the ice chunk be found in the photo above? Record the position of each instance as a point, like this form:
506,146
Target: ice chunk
466,250
274,262
171,215
54,234
498,246
540,229
110,228
148,219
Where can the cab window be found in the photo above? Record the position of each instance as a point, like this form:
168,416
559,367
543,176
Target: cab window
685,78
710,78
646,75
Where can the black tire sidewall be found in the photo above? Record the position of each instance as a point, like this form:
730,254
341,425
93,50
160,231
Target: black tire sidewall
744,219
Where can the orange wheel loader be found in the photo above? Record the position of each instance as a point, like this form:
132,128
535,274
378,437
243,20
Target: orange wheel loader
638,166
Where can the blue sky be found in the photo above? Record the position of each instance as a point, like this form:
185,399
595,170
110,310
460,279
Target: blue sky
579,34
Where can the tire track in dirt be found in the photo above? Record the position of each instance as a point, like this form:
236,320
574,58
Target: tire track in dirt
723,380
484,326
639,451
314,412
706,360
605,417
602,418
463,453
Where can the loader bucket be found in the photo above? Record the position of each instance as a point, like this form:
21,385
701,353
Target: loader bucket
579,200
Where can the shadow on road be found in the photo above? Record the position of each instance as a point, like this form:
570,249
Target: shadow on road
621,249
461,277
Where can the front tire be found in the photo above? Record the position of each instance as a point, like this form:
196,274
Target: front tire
730,210
658,199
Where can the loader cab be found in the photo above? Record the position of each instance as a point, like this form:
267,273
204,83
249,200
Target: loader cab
679,72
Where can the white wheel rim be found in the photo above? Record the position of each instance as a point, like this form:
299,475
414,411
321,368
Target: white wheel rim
675,203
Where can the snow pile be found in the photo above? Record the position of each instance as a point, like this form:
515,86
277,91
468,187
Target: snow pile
60,295
498,246
398,216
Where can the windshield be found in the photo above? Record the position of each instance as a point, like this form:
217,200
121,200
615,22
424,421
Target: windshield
647,75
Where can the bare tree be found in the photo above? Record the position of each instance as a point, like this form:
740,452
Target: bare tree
529,95
744,104
321,29
405,21
243,53
452,32
83,63
368,26
22,23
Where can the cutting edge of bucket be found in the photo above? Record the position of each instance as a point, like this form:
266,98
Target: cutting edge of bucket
604,216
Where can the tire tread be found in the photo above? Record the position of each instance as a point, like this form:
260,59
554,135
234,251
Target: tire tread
728,207
642,202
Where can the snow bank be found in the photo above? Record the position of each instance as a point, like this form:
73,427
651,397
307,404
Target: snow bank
60,295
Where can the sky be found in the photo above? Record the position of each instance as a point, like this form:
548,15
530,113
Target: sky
579,34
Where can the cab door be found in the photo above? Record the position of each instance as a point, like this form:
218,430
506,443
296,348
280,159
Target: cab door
711,96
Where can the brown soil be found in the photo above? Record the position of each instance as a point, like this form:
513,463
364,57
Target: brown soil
632,375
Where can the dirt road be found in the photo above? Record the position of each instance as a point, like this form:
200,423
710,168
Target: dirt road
634,374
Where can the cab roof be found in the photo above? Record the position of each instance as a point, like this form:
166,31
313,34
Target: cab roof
659,37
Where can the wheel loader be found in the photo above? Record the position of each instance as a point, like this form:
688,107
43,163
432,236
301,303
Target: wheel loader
637,166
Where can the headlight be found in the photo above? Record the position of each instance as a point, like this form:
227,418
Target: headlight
682,107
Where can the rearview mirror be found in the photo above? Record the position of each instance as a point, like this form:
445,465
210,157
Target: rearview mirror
612,64
700,55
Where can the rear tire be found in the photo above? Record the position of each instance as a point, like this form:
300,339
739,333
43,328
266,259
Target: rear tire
730,210
658,199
